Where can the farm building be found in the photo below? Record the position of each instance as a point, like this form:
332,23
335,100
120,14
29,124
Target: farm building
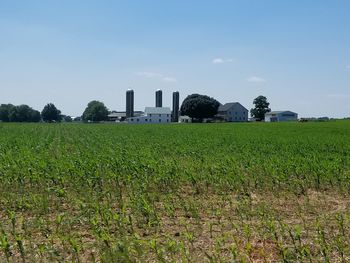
232,112
118,116
153,115
185,119
276,116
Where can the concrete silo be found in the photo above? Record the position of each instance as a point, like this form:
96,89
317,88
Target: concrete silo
159,98
176,106
129,103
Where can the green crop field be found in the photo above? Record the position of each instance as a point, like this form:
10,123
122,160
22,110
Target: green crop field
250,192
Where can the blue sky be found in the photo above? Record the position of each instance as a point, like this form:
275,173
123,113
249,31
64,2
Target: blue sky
297,53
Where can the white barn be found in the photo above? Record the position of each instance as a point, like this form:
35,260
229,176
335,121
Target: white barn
152,115
232,112
276,116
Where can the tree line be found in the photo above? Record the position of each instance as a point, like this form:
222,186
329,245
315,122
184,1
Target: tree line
24,113
95,111
196,106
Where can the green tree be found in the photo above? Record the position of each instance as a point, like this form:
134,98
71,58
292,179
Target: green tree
67,118
24,113
95,111
261,108
14,115
199,107
50,113
21,113
35,116
5,110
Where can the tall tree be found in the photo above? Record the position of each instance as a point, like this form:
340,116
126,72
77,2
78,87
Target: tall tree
95,111
261,107
35,116
24,113
5,110
50,113
199,107
21,113
14,115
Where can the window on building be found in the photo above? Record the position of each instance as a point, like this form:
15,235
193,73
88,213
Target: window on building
132,119
160,115
137,119
150,120
236,112
160,120
235,118
167,120
150,115
239,118
146,120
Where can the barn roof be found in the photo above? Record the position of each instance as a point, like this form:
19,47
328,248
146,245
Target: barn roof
279,112
157,110
228,106
120,114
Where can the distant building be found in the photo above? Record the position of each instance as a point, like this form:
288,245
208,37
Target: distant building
119,116
185,119
276,116
232,112
153,115
323,119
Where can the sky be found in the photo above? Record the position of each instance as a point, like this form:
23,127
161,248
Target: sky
294,52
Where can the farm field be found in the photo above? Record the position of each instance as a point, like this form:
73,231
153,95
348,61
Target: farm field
249,192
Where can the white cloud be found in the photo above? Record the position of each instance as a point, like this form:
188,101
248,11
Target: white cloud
218,61
221,60
150,75
256,79
155,75
169,79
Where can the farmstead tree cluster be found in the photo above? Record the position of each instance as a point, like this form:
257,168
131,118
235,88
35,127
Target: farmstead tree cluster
266,192
24,113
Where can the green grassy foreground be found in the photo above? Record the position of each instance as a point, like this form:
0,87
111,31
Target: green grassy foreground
250,192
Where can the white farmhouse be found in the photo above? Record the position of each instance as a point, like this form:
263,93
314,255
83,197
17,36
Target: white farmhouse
153,115
232,112
276,116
